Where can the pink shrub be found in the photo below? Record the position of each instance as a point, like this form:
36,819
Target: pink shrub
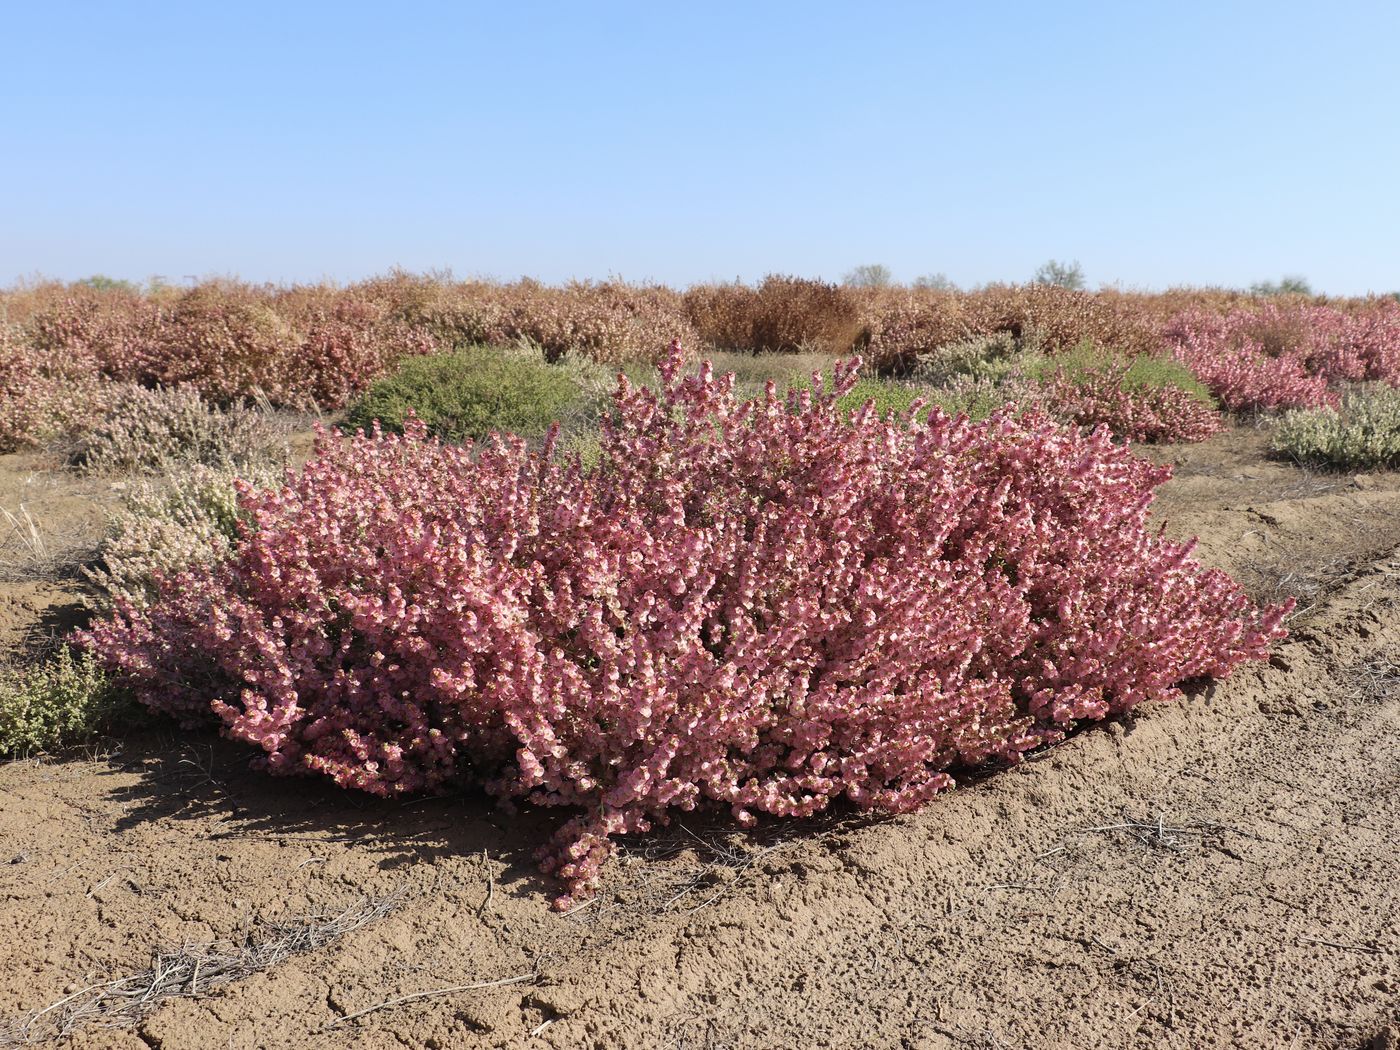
43,393
345,348
765,606
1288,355
1101,397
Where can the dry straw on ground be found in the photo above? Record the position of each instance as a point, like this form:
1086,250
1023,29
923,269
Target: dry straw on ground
192,970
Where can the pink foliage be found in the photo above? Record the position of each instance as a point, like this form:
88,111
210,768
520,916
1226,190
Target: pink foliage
42,394
765,606
1288,355
1100,397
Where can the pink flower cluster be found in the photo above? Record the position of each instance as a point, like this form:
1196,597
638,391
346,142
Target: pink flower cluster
1101,397
765,605
1288,355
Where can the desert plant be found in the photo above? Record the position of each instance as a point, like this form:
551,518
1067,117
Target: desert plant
977,398
468,394
763,605
992,357
1363,434
1288,354
44,393
1144,398
899,328
61,701
781,315
146,430
165,526
889,399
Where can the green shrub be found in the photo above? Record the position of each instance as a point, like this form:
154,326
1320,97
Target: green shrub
62,701
891,397
1364,433
468,394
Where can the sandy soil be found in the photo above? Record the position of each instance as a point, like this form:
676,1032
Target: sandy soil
1220,872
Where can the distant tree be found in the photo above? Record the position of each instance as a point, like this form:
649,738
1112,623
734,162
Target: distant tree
937,282
1061,275
871,275
102,283
1291,284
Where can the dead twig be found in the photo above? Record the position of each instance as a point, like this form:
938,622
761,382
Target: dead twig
1160,834
1338,944
414,997
190,970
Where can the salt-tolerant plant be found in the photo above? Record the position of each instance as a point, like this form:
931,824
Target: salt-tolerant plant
42,393
1271,355
167,525
978,398
469,394
63,700
782,314
146,430
766,606
992,357
1144,398
1364,433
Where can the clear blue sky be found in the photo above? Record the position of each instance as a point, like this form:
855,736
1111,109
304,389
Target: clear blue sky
1158,143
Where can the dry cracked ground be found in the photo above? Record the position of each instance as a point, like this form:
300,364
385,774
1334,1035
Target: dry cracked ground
1214,873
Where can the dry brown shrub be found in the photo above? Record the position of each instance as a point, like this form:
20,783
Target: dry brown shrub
1062,319
781,315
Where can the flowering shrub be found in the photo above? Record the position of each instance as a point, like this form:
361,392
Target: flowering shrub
763,605
1139,399
1100,398
1287,355
1246,379
43,395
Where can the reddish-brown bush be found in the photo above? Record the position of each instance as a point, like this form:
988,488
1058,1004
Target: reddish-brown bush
781,315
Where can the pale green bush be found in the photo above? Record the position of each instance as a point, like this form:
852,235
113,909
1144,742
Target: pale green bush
1364,433
992,357
149,430
66,699
167,526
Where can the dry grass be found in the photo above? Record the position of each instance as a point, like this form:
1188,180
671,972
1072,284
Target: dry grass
192,970
28,551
